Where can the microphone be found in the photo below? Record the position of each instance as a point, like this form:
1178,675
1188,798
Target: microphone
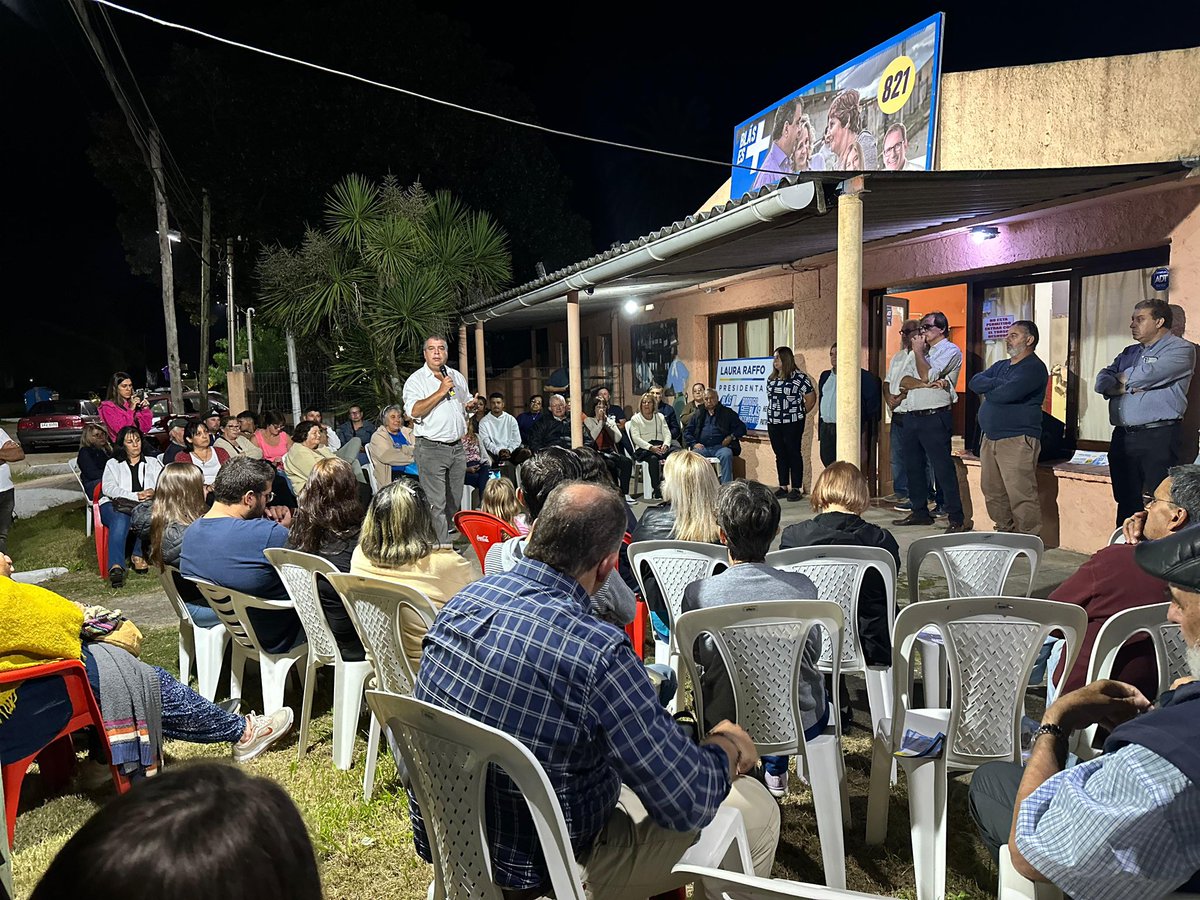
442,369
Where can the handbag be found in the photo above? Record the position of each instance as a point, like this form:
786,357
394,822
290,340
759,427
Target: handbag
139,518
124,505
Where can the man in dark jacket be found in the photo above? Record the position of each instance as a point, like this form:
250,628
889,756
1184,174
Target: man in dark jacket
1014,390
552,428
869,408
714,432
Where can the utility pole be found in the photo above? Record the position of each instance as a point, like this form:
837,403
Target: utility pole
205,291
168,273
230,309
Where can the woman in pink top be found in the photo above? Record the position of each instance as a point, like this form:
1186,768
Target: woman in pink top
272,439
122,409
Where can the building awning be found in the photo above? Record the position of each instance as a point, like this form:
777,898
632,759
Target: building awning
796,220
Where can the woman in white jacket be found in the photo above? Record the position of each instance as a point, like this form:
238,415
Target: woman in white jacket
651,438
129,479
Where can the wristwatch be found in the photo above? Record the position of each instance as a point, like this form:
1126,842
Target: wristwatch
1047,729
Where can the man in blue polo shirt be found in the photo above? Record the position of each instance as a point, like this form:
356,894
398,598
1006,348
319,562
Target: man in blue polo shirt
1013,391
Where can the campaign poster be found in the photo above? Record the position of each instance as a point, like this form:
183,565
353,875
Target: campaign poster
742,386
877,112
655,355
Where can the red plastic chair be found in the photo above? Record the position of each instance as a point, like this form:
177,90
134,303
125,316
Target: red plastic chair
483,530
637,628
57,757
100,532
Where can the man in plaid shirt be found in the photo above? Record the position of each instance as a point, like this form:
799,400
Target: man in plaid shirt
520,651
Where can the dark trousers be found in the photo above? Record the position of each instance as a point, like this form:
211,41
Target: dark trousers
1138,462
928,437
993,795
620,468
655,463
8,500
789,453
827,438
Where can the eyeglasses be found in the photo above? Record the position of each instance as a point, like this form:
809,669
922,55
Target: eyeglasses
1148,500
894,150
268,495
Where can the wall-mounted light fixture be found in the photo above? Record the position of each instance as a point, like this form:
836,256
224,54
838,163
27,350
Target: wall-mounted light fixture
631,307
981,233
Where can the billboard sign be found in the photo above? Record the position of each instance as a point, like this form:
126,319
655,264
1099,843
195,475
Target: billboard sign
878,111
742,386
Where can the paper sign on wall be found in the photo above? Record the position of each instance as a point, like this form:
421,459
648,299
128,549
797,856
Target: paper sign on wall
995,328
742,386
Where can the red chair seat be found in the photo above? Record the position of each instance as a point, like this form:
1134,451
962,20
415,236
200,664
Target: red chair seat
100,532
483,530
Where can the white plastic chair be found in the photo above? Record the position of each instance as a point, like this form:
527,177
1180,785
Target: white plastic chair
370,467
298,572
675,565
838,573
762,645
736,886
1117,537
991,646
375,606
73,465
976,564
1015,886
448,756
204,645
231,606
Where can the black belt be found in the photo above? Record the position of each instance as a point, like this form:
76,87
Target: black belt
1163,423
926,412
452,443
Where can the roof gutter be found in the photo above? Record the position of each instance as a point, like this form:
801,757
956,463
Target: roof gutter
767,208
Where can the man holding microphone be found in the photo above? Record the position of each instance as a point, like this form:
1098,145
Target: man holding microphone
439,400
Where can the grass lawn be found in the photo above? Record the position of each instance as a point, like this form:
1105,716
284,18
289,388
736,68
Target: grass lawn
365,849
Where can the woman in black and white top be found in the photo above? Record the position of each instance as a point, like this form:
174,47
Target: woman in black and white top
790,398
129,479
651,438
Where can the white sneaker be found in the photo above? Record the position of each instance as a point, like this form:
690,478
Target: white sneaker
266,730
776,784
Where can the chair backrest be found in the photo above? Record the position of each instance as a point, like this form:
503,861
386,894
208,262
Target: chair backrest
73,465
726,883
976,564
1117,537
838,573
762,645
298,572
991,645
675,565
1169,647
374,605
483,530
448,757
231,606
371,469
171,588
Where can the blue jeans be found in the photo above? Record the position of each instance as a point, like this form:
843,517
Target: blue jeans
899,476
778,765
725,455
203,616
117,524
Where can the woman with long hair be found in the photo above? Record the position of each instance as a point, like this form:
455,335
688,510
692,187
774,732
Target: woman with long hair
500,499
129,479
651,437
790,398
178,502
398,542
328,523
95,451
121,408
202,452
479,470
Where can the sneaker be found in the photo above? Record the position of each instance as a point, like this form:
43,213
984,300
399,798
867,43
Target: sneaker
781,493
776,784
795,495
629,498
116,576
266,731
904,506
939,512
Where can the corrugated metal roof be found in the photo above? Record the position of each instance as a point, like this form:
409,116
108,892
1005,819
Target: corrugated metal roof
895,204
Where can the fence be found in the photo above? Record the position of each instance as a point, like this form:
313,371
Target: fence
273,390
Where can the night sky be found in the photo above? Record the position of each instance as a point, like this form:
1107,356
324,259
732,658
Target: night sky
669,77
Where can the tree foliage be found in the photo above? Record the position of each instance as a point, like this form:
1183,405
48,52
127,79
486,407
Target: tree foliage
391,266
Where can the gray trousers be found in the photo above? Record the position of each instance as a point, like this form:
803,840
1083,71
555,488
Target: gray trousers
993,795
441,470
349,452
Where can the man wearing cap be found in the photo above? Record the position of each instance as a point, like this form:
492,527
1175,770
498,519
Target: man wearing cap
175,433
1122,824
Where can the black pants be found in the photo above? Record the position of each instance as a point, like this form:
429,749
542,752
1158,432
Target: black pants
654,462
786,442
993,795
620,468
928,437
827,438
1138,462
8,500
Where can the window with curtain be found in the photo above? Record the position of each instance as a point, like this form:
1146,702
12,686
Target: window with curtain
1047,305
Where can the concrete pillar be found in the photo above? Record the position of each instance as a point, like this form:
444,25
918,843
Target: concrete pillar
574,371
239,384
849,321
480,362
462,351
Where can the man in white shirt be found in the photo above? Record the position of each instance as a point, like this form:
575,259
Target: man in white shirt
10,452
500,435
896,399
438,400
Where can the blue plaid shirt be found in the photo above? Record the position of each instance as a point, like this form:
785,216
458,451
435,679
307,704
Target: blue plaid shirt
519,651
1122,825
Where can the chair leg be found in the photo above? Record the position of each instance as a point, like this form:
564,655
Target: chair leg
274,679
210,646
310,681
187,652
879,698
348,681
879,792
237,666
927,814
13,775
372,759
933,674
827,781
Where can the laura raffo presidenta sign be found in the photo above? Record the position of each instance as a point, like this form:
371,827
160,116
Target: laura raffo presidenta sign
742,386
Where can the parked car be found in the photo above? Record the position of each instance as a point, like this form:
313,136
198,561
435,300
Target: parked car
195,405
55,423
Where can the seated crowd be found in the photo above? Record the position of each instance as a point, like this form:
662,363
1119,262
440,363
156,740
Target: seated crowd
548,614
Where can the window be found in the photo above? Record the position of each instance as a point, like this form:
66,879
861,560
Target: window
1047,304
752,333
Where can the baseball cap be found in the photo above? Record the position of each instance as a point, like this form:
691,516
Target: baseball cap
1175,558
177,423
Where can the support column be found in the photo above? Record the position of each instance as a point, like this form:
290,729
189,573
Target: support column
574,371
480,362
849,319
462,351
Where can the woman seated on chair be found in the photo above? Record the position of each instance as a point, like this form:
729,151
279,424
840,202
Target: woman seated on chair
202,452
327,523
129,480
38,626
393,447
306,451
601,431
651,438
500,499
398,543
479,470
178,502
839,498
94,453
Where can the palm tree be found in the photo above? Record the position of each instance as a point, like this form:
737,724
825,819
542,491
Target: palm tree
392,266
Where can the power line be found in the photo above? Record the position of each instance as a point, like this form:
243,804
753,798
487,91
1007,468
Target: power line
437,100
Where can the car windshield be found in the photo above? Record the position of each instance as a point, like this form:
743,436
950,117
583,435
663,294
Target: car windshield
55,408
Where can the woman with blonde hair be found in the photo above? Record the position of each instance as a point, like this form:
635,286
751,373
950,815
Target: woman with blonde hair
178,502
839,498
651,437
398,542
500,499
95,451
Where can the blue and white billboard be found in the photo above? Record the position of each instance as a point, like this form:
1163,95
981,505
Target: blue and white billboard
878,111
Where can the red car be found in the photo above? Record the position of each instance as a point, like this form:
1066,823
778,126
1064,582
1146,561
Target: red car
195,406
56,423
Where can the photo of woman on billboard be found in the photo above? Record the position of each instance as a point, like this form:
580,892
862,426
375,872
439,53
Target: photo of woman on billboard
844,134
803,159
